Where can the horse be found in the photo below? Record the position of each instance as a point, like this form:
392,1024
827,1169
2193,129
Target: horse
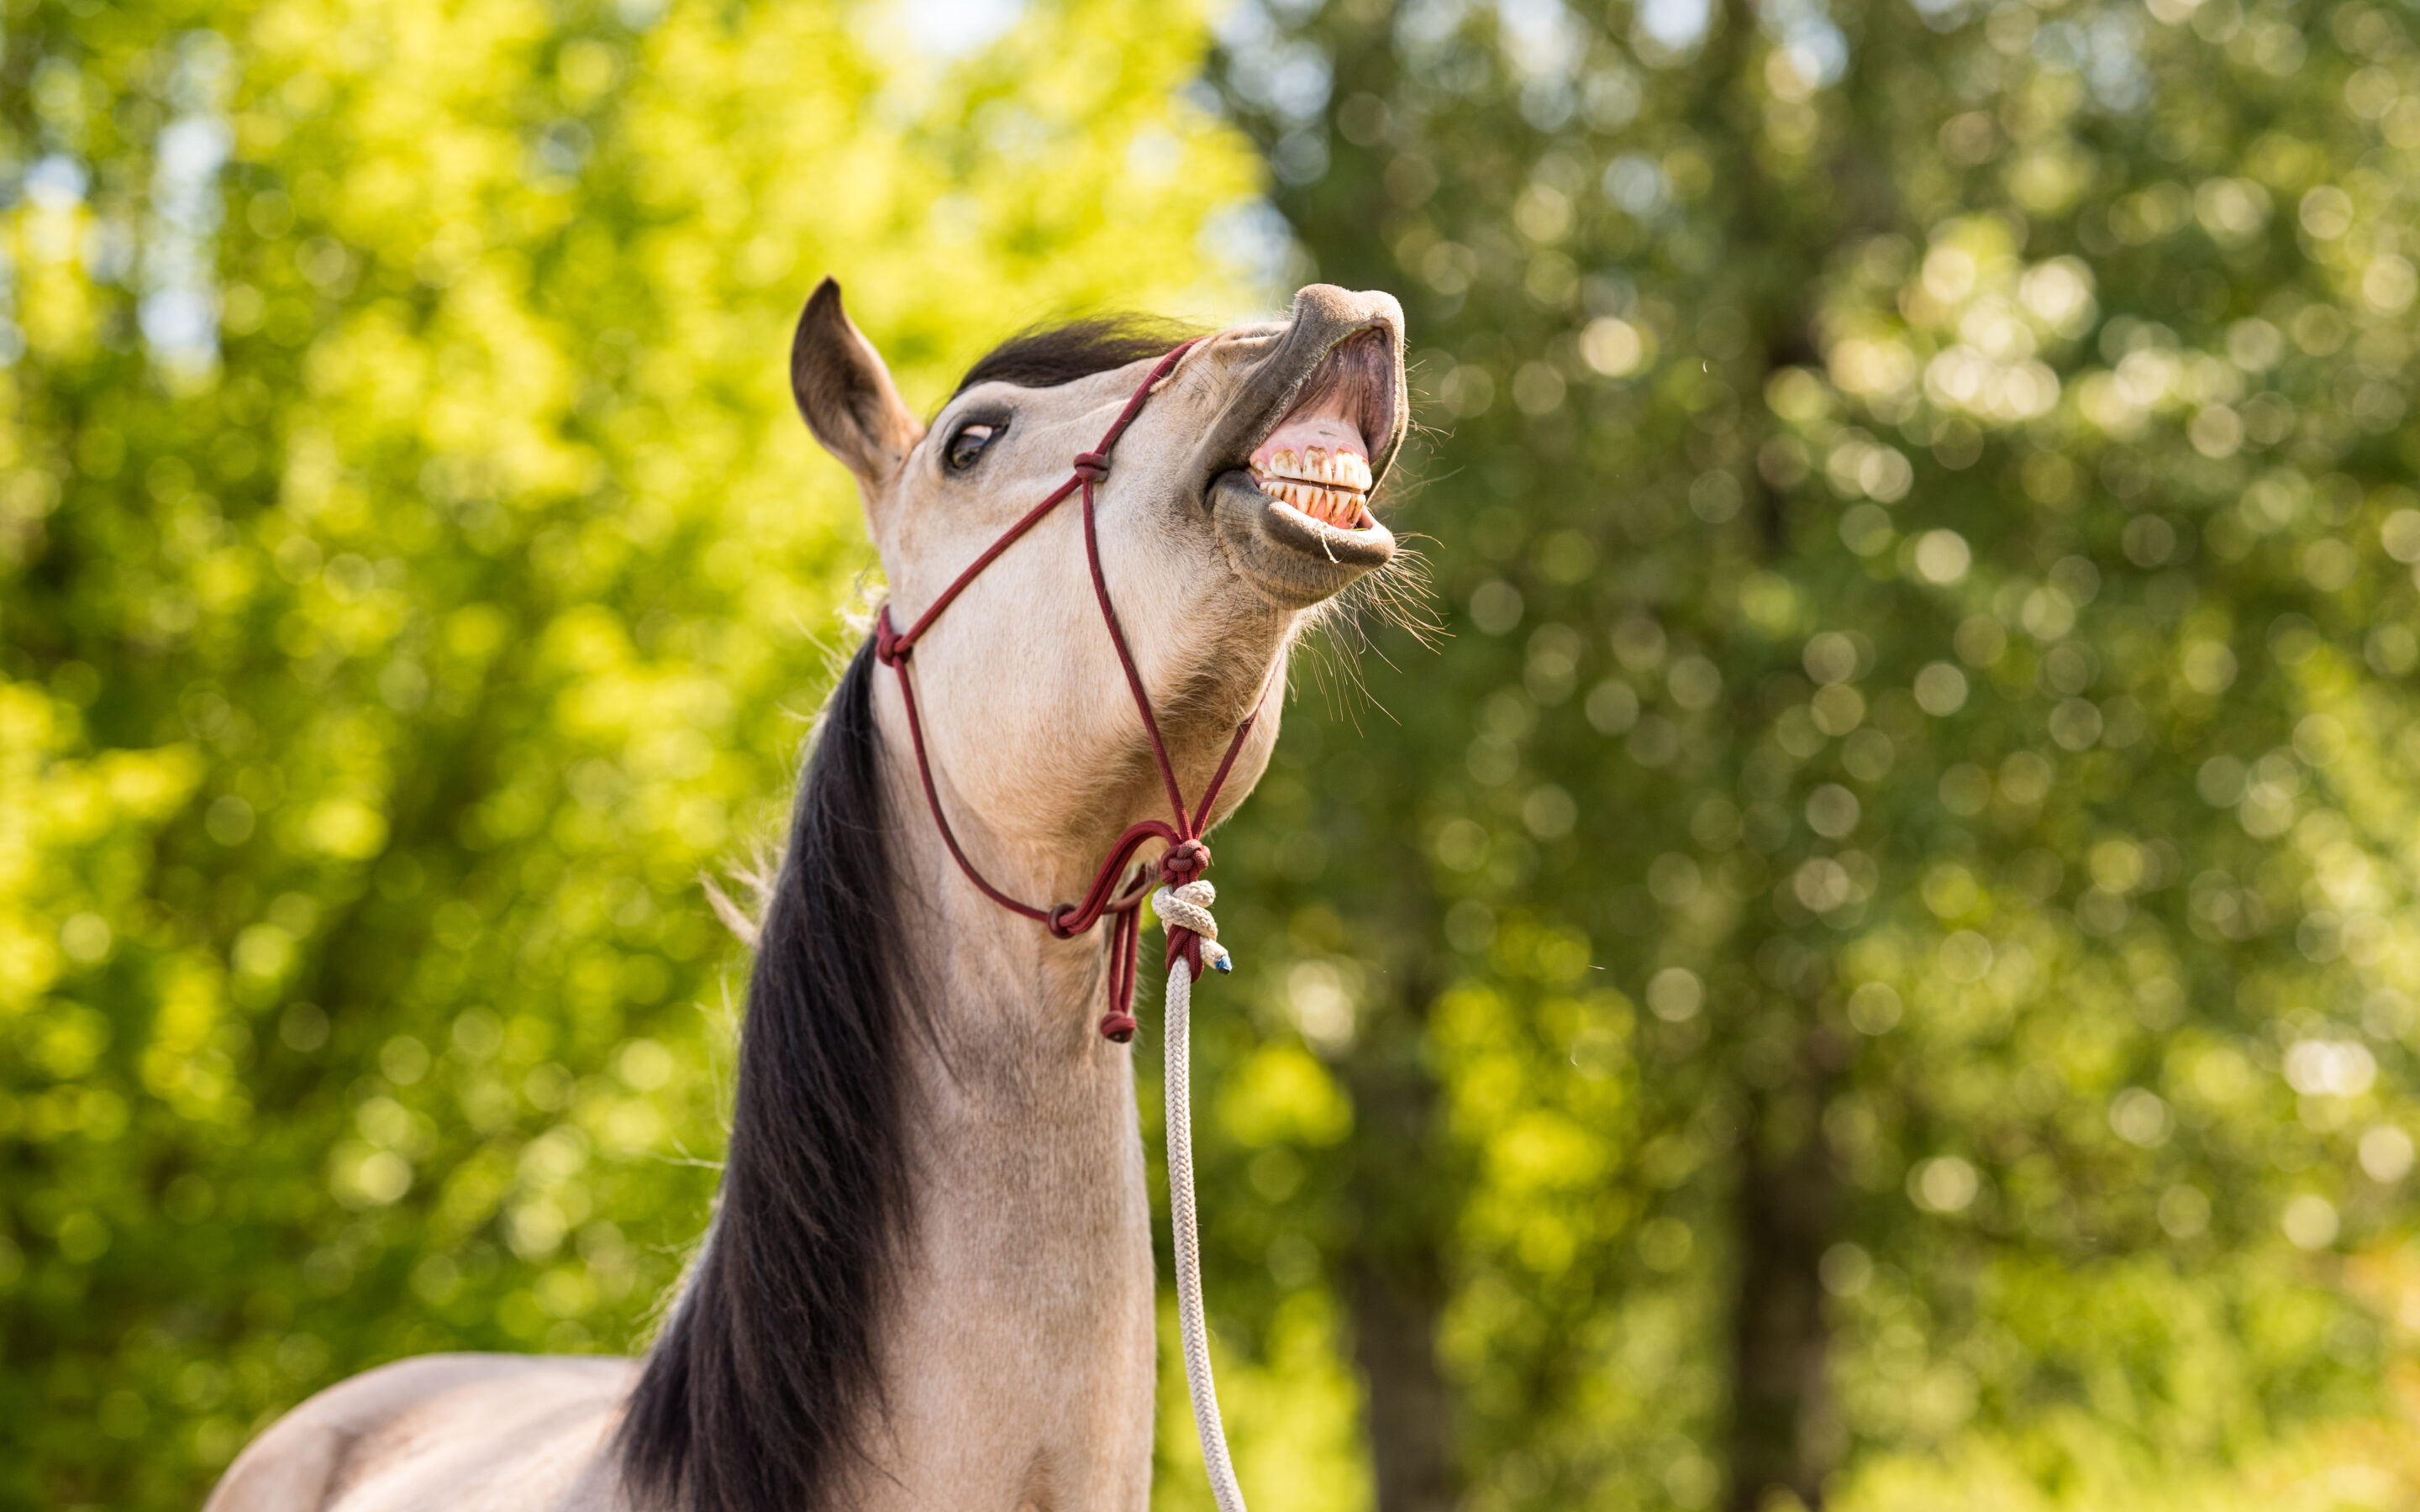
927,1278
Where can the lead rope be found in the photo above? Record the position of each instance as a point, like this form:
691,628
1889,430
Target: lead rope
1182,911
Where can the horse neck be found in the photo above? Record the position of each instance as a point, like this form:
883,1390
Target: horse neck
1005,1037
1025,1132
1029,1240
935,1181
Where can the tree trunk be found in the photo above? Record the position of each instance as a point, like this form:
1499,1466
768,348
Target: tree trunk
1783,1427
1394,1342
1392,1278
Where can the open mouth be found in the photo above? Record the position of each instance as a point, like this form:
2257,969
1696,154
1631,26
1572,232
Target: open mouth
1294,462
1317,459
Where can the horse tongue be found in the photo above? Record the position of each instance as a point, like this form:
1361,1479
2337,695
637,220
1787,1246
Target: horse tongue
1327,423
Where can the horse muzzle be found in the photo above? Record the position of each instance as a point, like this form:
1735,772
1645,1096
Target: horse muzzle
1299,452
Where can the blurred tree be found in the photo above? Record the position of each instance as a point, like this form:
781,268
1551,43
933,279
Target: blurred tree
411,576
1874,964
1884,931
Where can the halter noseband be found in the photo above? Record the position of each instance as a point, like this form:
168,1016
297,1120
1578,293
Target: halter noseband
1186,856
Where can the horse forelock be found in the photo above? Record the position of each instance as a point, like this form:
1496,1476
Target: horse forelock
756,1396
1047,356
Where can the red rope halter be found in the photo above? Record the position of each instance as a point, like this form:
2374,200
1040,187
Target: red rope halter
1187,858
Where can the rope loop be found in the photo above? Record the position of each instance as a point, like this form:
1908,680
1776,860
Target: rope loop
1092,466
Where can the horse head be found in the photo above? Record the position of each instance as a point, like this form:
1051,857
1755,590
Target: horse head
1237,501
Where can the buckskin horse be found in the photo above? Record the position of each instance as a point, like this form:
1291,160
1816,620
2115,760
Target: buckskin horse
927,1281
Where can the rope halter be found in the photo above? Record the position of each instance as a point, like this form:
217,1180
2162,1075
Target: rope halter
1182,903
1186,856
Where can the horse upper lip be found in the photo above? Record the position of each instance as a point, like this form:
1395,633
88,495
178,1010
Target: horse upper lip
1352,387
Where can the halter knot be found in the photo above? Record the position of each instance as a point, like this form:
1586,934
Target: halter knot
1092,466
1184,863
890,648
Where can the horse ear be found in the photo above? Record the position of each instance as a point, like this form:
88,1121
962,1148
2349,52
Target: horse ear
846,394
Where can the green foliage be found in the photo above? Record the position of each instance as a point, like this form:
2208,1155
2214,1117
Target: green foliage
382,664
1882,934
1875,958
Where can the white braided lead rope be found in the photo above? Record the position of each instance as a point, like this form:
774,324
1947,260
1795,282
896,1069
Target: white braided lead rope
1188,907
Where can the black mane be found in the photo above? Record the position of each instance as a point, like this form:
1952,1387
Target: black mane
1043,357
754,1395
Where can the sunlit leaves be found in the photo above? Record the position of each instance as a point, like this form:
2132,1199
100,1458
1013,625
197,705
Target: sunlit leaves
379,676
2001,407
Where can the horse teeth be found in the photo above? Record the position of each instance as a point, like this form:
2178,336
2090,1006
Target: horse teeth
1339,505
1319,466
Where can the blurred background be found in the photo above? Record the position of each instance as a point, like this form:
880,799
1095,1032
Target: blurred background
1869,962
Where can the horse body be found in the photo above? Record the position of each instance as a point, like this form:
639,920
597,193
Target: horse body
472,1432
929,1281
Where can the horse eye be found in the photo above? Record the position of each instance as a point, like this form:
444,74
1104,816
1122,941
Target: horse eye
968,444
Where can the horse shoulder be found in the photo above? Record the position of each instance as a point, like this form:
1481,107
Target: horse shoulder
453,1431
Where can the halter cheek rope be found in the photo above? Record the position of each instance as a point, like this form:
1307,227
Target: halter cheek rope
1182,904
